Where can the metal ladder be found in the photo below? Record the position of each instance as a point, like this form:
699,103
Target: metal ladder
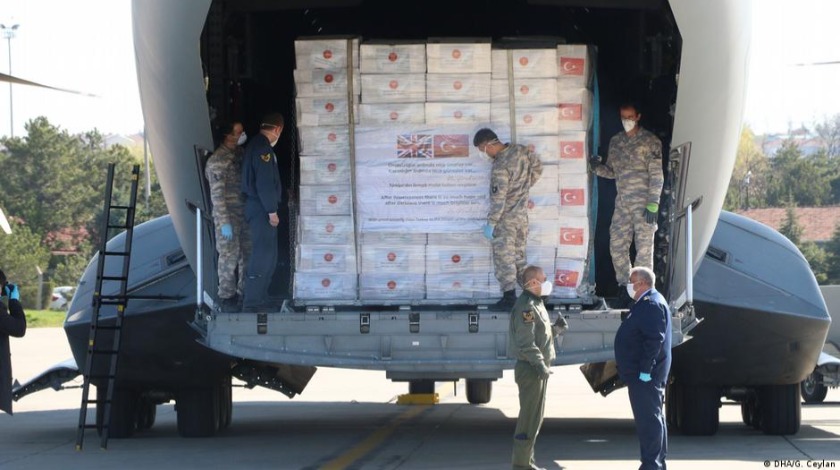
95,349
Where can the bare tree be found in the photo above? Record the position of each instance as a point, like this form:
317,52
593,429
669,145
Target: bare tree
829,132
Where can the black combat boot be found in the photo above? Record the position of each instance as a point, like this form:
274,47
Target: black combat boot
229,305
624,299
507,301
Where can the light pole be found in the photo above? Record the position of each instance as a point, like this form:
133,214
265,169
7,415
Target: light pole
9,33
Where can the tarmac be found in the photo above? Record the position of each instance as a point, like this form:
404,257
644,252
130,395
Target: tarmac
349,419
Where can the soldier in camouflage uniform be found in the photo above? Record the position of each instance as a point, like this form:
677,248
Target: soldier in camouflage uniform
635,162
531,343
515,170
224,173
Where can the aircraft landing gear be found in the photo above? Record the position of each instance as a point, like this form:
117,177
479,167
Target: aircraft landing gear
693,409
123,412
198,411
812,388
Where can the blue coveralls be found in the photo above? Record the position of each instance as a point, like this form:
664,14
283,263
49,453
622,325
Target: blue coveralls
643,344
263,193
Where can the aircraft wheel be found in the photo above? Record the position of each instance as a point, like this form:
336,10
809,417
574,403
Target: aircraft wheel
225,403
746,413
198,411
479,391
146,414
699,410
812,388
421,386
781,409
123,412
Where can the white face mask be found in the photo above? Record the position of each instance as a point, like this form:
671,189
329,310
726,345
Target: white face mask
243,137
628,124
631,290
545,288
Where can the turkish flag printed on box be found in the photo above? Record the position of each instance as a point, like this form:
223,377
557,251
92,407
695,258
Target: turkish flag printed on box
326,258
392,286
325,286
394,258
332,230
568,274
575,63
574,194
393,58
573,152
325,200
574,109
573,237
325,141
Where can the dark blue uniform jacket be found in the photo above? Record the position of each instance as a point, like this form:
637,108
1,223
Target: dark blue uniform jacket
643,341
261,178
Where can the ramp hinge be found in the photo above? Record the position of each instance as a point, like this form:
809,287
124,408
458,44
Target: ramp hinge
364,323
472,322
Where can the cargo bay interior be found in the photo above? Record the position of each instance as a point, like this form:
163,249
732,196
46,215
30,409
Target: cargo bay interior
248,53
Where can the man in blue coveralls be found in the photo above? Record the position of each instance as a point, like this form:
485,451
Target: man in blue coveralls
643,358
263,193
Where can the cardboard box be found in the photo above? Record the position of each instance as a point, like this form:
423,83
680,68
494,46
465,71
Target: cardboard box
323,112
326,230
325,200
542,256
574,152
573,237
459,286
549,182
460,55
544,206
324,170
545,146
319,83
392,286
393,88
574,194
325,53
543,232
575,65
574,109
458,259
459,239
568,275
394,258
529,121
456,113
393,238
526,92
458,88
325,140
338,259
393,58
321,286
526,63
394,113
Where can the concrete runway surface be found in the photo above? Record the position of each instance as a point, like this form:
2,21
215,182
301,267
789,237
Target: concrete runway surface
348,419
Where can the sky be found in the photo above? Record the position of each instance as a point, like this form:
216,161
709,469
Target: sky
86,45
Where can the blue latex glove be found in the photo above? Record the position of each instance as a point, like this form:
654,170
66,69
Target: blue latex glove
227,231
12,291
644,377
488,231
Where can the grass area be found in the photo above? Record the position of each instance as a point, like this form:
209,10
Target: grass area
45,318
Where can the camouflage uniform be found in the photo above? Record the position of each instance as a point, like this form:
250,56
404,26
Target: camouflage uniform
635,162
531,343
515,170
223,172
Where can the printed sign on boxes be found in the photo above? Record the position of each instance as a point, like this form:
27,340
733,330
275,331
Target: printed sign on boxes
394,259
393,58
326,230
325,200
325,286
457,259
324,53
393,88
458,88
459,55
323,111
320,83
525,63
526,91
324,170
392,286
339,259
325,140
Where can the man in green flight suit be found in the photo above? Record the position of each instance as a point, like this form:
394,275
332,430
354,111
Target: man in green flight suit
531,343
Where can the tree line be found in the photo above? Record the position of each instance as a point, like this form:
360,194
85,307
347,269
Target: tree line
53,189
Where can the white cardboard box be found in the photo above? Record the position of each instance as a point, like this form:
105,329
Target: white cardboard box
324,170
573,237
543,232
394,259
325,200
545,146
393,88
529,121
575,64
542,256
325,53
318,83
451,286
574,109
393,58
568,275
456,113
458,56
544,206
393,238
338,259
527,63
394,113
325,140
458,88
458,239
392,286
549,182
574,194
526,92
321,286
326,230
323,112
458,259
574,152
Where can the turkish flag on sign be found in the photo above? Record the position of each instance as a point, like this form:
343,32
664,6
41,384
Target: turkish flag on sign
571,236
571,112
571,149
566,278
571,66
572,197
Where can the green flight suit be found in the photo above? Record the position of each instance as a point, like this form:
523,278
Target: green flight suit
531,343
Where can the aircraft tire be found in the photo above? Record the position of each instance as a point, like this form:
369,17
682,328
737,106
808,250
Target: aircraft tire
699,410
123,412
225,403
812,388
479,391
198,411
781,409
746,413
146,414
421,386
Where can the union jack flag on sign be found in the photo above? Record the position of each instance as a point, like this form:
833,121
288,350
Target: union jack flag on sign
414,146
